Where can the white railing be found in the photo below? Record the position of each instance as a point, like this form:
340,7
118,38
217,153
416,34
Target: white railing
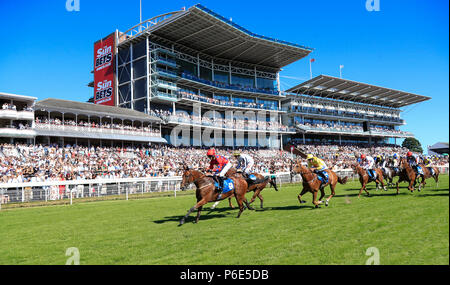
75,189
71,128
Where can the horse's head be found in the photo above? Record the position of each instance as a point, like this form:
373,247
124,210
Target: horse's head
188,178
299,168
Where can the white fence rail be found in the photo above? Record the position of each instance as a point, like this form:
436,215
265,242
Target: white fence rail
76,189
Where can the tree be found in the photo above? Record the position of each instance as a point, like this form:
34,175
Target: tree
412,144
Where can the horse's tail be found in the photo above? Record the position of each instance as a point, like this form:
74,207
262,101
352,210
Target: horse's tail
342,180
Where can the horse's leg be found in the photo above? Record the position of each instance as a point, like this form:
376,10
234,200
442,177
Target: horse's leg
363,187
254,195
239,200
248,204
315,202
332,187
301,194
261,199
230,204
411,185
215,205
198,205
322,194
199,211
382,184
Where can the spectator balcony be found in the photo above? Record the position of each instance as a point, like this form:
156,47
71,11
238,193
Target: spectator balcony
11,114
352,131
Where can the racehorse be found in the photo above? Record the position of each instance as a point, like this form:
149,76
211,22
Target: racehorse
311,183
256,185
427,174
390,171
406,174
206,191
364,178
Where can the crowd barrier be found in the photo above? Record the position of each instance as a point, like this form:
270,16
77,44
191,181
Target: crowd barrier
77,189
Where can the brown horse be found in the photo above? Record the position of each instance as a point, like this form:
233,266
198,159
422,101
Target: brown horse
364,178
206,191
427,174
311,183
253,185
406,174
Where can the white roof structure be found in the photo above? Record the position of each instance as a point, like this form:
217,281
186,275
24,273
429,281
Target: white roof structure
203,31
17,97
342,89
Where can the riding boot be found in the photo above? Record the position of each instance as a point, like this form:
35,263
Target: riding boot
220,184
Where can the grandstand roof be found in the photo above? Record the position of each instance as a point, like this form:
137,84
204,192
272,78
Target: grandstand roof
343,89
16,97
51,104
209,33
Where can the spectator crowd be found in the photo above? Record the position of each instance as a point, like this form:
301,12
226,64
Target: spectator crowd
36,163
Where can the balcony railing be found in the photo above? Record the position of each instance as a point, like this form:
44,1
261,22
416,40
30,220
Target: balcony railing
228,125
354,131
255,106
16,115
227,86
100,130
347,115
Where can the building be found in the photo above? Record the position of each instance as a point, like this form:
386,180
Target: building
439,148
209,75
200,79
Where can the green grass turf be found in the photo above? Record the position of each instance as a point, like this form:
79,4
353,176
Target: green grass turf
411,228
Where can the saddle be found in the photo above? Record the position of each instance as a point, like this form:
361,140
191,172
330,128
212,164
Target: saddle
223,184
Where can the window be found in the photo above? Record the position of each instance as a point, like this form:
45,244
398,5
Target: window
140,88
139,68
139,49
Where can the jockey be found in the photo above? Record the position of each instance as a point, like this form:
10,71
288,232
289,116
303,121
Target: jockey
218,164
317,165
245,162
367,163
395,162
413,161
379,161
427,161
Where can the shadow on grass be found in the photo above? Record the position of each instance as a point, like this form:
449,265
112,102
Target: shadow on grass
191,218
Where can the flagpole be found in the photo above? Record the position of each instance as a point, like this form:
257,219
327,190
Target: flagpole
310,69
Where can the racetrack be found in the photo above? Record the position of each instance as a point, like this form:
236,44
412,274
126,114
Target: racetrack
411,228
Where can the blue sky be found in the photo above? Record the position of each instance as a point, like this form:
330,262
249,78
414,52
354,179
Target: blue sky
47,51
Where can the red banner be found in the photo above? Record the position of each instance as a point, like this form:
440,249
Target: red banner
104,71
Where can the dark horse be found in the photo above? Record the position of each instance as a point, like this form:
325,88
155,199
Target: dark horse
407,174
206,191
254,185
311,183
390,171
364,178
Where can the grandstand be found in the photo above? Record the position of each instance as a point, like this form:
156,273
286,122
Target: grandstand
195,70
204,71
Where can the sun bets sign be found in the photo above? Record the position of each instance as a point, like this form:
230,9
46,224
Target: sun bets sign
104,71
